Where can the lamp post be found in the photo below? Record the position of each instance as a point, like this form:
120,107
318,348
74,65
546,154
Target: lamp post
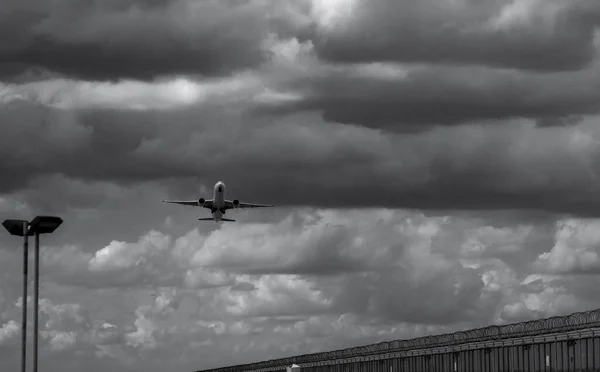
20,228
39,225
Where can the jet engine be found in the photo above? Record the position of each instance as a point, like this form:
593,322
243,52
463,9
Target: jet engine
201,202
236,203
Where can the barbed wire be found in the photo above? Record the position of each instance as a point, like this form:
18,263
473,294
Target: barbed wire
493,332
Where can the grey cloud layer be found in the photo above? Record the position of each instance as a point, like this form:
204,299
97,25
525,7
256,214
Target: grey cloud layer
433,95
515,165
112,40
463,62
534,35
133,39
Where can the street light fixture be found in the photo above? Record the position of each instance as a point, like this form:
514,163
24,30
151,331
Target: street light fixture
39,225
44,225
15,227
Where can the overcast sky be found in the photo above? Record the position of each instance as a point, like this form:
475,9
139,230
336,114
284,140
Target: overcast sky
435,163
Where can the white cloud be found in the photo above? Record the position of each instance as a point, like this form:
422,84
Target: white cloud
120,255
9,330
315,280
277,295
576,248
331,14
520,13
61,340
163,94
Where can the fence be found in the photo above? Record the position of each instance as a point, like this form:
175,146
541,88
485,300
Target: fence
565,343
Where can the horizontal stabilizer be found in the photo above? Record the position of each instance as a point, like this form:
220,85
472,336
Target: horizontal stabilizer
206,219
227,220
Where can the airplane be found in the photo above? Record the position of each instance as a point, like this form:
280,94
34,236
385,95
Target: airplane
218,205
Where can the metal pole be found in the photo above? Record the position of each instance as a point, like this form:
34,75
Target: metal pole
24,302
36,295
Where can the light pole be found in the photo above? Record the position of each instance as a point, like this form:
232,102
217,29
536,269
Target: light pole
39,225
20,228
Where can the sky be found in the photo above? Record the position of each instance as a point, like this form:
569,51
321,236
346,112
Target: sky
435,166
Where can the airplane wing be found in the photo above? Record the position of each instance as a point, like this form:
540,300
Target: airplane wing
223,219
191,203
230,205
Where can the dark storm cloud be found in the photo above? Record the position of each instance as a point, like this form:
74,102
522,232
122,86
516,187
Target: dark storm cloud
96,40
56,135
299,160
448,96
543,36
135,39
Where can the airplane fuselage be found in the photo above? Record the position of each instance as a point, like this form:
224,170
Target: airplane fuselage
218,201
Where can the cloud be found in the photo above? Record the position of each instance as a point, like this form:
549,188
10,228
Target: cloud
399,96
415,255
154,261
493,61
247,86
517,140
513,165
427,96
425,275
129,94
9,331
574,251
522,34
393,96
113,40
